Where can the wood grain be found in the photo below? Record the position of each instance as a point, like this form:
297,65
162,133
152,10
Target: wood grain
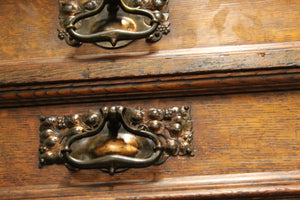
235,62
200,60
151,87
241,133
240,186
38,69
29,27
246,68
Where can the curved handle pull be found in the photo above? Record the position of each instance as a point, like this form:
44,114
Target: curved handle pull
115,138
114,27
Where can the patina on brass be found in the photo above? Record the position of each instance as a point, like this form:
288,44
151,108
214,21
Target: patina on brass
126,145
112,23
116,138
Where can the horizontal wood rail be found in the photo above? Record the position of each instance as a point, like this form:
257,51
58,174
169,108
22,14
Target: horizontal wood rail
265,185
228,69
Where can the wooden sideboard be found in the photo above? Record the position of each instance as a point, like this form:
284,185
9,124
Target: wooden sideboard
236,63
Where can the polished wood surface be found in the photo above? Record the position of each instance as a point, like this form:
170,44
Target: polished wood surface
242,133
261,186
247,46
231,69
236,63
29,27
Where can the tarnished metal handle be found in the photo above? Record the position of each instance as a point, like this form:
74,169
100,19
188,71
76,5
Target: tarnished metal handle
112,163
115,138
114,35
78,28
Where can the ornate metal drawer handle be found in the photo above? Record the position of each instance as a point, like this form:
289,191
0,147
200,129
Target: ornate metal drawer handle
87,21
114,139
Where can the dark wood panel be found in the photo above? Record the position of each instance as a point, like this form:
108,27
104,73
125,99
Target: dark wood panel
151,87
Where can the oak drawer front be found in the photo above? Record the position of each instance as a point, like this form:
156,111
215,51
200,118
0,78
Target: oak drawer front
253,138
235,63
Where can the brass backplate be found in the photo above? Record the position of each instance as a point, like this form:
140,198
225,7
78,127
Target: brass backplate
116,138
112,23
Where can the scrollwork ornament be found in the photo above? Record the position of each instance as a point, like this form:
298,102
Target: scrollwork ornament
116,138
100,21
